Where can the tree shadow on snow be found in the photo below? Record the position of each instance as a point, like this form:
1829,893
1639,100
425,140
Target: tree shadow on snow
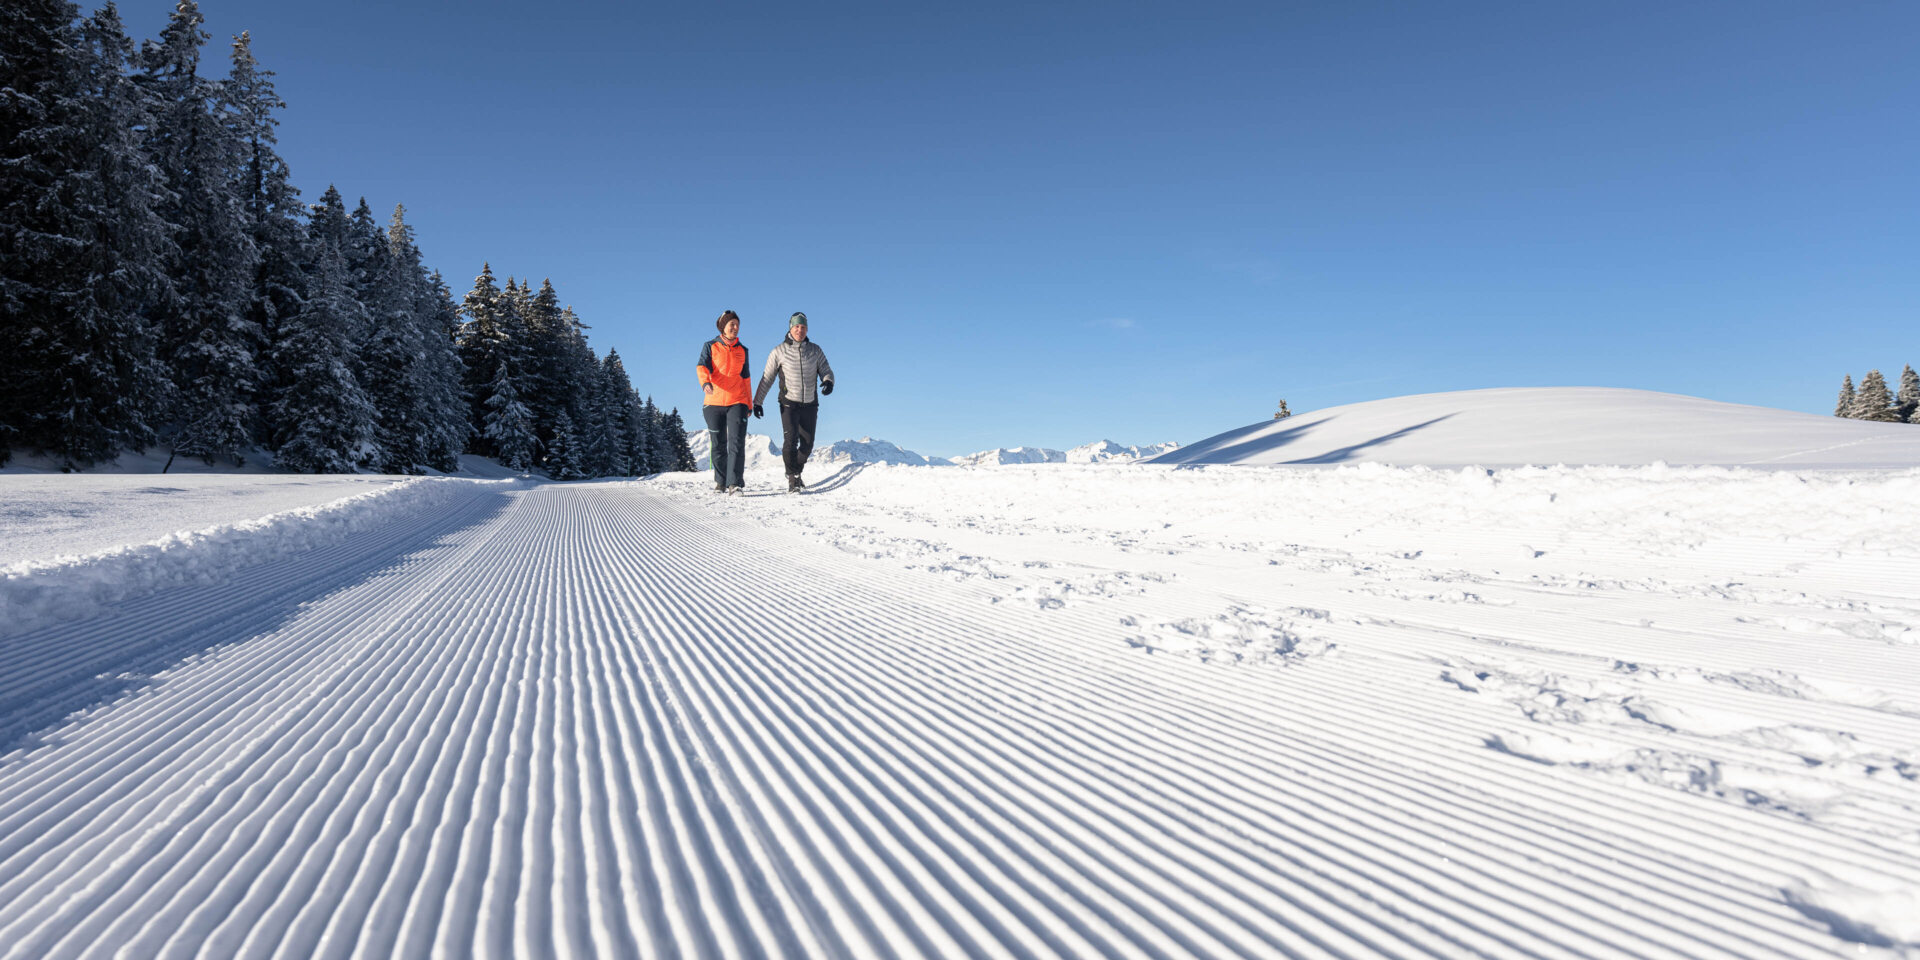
49,674
1247,442
1344,454
1234,445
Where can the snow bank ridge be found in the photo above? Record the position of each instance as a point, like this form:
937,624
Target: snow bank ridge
34,593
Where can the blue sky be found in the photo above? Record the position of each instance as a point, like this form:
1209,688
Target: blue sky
1049,224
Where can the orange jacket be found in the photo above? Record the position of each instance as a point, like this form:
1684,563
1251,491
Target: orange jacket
726,368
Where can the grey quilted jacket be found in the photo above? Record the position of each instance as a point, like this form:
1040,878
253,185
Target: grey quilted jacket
800,366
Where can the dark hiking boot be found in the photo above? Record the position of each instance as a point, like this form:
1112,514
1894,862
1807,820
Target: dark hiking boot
794,485
719,487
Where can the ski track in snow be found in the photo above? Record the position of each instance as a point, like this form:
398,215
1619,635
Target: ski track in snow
941,712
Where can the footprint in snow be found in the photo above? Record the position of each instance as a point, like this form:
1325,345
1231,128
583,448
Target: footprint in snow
1863,908
1241,635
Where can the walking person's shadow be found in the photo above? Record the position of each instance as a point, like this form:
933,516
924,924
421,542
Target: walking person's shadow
837,479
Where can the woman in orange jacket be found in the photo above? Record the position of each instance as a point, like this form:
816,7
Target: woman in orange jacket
722,372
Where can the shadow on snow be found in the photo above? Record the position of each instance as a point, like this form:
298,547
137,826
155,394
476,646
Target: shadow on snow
53,672
1249,441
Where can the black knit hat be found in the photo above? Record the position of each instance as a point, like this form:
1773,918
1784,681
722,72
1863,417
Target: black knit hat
721,324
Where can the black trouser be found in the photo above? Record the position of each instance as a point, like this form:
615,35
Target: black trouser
727,443
796,433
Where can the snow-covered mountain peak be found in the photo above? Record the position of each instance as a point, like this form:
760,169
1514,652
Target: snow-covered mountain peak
1004,455
869,450
1107,451
763,453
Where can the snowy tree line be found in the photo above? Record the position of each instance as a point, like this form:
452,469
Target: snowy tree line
1874,401
161,283
539,396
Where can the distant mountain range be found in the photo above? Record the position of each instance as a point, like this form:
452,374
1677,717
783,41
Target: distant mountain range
763,453
1004,455
1099,451
869,450
1106,451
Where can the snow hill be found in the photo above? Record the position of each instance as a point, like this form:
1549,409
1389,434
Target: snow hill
1559,425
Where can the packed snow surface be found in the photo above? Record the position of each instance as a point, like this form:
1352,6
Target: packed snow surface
1033,711
61,584
1559,425
46,515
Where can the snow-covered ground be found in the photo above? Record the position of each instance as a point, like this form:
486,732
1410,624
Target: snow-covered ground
47,515
1048,710
51,580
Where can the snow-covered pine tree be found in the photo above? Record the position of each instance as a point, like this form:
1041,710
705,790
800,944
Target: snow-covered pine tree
508,427
676,431
1906,404
594,455
484,342
580,374
322,420
443,405
272,206
1844,408
548,385
564,455
391,355
80,242
1874,402
616,398
366,247
207,339
662,455
523,339
638,437
1283,412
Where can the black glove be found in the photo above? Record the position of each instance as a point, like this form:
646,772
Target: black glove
758,412
826,388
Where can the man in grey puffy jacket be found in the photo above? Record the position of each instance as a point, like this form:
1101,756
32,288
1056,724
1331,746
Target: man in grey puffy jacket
799,363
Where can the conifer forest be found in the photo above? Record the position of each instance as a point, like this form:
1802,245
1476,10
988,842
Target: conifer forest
163,285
